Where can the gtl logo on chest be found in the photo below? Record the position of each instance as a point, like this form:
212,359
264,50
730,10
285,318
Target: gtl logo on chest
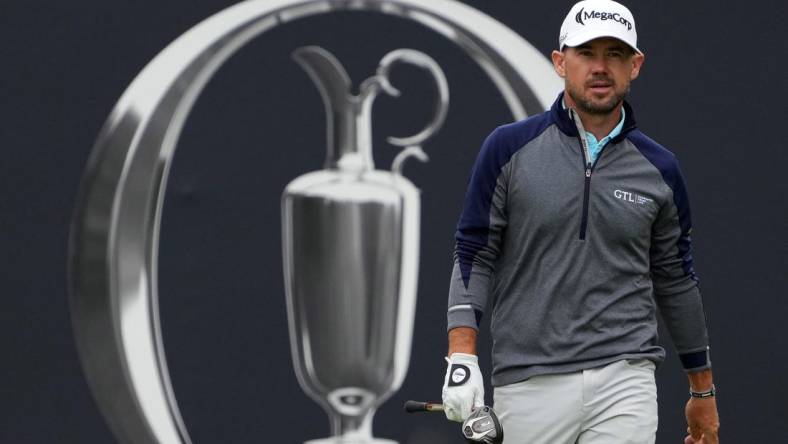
631,197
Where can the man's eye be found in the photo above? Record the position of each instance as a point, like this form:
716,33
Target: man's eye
615,54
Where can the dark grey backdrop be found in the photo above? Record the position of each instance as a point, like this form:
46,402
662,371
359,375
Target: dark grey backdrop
712,90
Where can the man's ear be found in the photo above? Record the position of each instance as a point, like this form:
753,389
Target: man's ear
637,63
558,63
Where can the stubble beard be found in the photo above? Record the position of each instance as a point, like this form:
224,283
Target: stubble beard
595,107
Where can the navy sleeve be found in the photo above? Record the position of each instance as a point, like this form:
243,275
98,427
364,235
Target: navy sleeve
478,235
672,271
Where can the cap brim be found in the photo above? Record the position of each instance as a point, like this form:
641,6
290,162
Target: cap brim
579,39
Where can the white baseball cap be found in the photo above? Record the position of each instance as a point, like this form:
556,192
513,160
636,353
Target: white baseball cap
591,19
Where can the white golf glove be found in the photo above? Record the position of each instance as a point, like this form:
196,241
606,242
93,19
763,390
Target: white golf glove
463,387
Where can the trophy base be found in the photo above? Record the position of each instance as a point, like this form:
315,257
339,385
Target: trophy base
340,440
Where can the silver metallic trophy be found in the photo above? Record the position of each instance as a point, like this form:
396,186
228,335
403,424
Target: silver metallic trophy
114,240
351,243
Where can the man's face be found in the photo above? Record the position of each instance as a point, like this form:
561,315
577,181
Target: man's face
597,74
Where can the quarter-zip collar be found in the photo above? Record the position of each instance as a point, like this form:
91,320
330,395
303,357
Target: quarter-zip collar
564,121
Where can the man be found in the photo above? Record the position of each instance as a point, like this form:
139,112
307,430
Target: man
575,227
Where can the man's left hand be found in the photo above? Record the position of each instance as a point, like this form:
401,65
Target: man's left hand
703,422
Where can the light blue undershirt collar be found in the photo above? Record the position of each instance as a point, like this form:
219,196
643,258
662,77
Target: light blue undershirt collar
595,146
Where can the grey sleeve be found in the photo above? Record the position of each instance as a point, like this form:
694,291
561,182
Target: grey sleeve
675,282
478,237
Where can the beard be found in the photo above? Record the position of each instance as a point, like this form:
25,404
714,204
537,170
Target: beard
597,106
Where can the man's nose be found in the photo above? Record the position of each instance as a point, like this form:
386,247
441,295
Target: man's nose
598,65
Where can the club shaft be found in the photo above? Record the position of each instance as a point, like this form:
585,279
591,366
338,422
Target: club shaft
419,406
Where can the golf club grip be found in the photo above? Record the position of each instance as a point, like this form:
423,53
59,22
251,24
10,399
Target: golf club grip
418,406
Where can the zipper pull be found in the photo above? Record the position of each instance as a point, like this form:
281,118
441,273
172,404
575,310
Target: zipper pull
588,171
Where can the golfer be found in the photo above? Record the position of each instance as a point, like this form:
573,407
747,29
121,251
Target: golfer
575,230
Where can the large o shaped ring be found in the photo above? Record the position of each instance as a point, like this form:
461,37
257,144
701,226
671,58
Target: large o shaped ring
115,228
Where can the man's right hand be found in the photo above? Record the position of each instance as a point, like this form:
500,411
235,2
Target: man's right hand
703,421
463,387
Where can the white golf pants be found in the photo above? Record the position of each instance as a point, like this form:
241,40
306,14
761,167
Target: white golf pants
613,404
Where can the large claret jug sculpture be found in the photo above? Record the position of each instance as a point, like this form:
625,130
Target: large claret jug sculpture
351,245
351,232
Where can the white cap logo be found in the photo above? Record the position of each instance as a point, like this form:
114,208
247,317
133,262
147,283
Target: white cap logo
591,19
582,16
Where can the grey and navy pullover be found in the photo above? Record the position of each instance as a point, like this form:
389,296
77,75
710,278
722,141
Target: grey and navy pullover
573,258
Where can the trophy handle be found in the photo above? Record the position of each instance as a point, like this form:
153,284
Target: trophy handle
380,82
411,151
441,106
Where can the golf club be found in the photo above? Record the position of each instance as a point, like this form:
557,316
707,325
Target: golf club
481,426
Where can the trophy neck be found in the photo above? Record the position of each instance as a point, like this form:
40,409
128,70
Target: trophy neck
350,135
348,117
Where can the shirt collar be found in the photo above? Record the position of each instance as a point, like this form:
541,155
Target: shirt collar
614,133
564,122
